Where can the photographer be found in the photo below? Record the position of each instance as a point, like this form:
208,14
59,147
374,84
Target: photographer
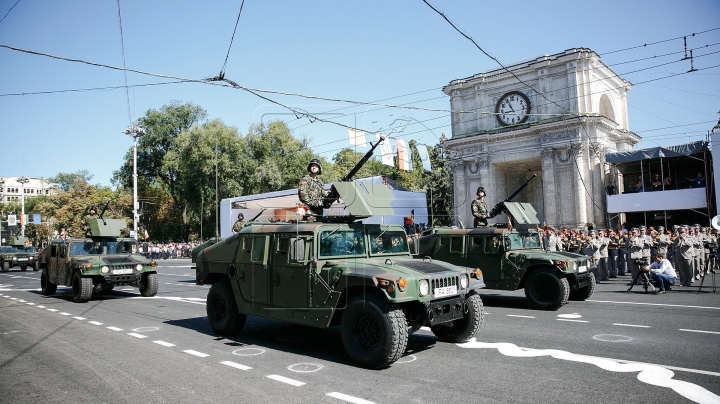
662,272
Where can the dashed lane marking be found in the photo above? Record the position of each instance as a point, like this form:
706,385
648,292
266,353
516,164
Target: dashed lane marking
31,304
22,301
79,318
655,304
163,343
236,365
13,298
114,328
517,315
632,325
574,321
196,353
347,398
286,380
65,314
136,335
40,307
95,322
701,331
52,310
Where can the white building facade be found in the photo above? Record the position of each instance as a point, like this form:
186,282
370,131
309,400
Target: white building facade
12,188
555,116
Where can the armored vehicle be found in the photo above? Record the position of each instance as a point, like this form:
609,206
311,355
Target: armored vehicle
339,271
96,263
512,258
18,254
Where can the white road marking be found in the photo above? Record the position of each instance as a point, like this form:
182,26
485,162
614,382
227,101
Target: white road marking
248,351
517,315
654,375
65,314
196,353
574,321
306,367
236,365
573,315
655,304
79,318
132,334
95,323
632,325
40,307
22,301
31,304
285,380
163,343
13,298
114,328
51,310
349,399
705,332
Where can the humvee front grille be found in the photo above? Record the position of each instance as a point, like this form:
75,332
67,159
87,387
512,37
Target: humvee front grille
123,266
444,282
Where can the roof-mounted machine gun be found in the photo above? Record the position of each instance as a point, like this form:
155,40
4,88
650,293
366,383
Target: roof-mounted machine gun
333,195
500,207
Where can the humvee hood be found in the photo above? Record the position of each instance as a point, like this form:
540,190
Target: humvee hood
121,259
410,265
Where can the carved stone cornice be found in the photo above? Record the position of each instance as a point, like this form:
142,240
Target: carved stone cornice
558,136
457,165
575,149
547,153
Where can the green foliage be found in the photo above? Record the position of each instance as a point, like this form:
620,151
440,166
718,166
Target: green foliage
65,181
439,191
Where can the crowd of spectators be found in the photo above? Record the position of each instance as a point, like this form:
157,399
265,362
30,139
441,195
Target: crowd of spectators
156,251
655,182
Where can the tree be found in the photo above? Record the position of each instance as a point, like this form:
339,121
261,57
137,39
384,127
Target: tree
65,181
439,191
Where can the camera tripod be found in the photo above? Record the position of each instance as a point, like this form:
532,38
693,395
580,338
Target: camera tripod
710,272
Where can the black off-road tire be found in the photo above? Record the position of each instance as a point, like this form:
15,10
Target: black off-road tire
5,266
81,288
465,328
546,289
222,311
149,286
48,288
35,266
374,332
584,292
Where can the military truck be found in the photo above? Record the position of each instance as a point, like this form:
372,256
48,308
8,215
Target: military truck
339,271
96,263
17,253
512,257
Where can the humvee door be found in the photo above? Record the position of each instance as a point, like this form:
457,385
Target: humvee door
290,274
252,266
484,252
449,248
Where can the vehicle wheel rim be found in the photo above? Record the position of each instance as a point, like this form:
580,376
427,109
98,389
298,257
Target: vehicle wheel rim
220,309
367,331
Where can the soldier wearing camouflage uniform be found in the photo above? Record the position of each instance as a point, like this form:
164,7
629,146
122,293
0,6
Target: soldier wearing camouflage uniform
85,223
479,209
310,188
239,224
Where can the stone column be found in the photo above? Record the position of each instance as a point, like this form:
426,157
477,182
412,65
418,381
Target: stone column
548,179
575,151
459,183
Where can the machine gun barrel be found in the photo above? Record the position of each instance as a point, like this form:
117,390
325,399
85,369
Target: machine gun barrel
333,195
501,205
258,215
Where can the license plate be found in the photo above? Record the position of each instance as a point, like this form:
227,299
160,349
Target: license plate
22,259
122,271
446,291
582,269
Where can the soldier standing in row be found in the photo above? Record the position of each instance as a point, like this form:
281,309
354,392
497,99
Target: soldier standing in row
683,257
648,243
635,247
479,209
310,188
85,223
238,223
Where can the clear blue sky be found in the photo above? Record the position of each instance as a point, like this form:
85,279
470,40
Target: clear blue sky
354,50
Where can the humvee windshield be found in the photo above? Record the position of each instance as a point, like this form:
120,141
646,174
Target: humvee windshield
517,241
388,242
101,247
8,249
347,242
26,249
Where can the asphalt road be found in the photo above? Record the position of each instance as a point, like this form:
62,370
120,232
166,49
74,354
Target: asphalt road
615,347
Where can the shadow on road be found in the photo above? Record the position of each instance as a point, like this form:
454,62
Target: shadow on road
513,302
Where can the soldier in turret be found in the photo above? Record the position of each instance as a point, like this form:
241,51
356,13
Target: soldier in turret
239,224
310,188
85,223
479,209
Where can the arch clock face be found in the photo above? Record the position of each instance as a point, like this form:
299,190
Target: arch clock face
512,108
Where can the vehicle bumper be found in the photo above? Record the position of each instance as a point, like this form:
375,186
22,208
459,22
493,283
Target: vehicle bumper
442,311
581,281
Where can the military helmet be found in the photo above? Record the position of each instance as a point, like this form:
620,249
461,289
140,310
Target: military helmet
661,228
642,228
93,208
480,189
241,216
317,162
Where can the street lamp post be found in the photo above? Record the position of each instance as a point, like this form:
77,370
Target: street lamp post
23,181
135,132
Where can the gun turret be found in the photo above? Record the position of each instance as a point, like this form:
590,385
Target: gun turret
333,195
258,215
500,207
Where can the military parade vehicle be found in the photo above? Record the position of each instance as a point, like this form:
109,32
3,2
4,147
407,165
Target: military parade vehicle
338,271
512,257
17,253
97,263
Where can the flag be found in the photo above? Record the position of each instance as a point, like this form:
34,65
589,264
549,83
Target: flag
386,153
409,219
37,219
544,226
509,223
404,162
146,236
12,220
23,220
357,137
424,157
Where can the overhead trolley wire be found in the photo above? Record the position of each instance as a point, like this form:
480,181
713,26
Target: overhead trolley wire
222,70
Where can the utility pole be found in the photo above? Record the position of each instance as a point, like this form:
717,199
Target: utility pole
135,132
23,181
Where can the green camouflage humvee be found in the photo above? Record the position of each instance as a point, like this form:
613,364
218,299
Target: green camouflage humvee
513,259
338,271
18,254
97,263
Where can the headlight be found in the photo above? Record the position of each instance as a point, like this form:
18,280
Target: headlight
424,287
14,258
105,269
138,267
463,281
